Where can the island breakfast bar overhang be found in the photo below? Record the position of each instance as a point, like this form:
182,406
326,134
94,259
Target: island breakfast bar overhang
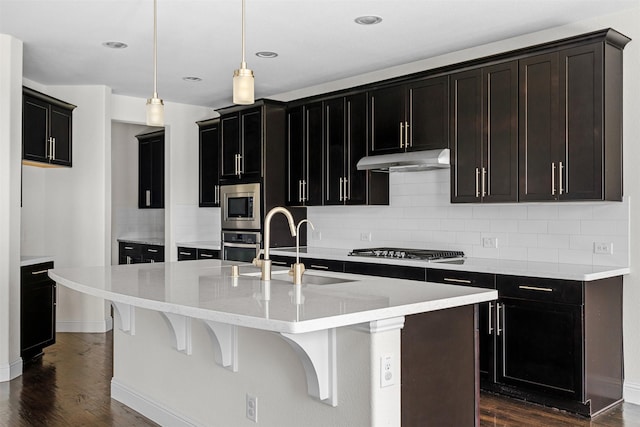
249,327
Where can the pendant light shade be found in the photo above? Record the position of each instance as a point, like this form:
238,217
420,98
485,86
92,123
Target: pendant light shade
243,82
155,105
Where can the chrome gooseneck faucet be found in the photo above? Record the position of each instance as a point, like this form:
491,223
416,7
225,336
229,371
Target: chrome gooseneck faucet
265,263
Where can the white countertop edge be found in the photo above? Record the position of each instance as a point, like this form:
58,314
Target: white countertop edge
26,261
205,244
549,270
157,241
478,295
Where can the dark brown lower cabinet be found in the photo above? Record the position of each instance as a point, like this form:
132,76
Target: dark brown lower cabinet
439,374
136,253
37,310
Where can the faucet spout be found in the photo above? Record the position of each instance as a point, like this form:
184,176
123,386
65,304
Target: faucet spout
265,263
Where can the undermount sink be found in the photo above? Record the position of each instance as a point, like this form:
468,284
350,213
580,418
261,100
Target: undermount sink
311,279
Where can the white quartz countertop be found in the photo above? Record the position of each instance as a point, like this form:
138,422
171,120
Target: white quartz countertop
479,265
33,260
204,244
205,289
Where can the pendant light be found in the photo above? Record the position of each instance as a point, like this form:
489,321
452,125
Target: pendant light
243,77
155,105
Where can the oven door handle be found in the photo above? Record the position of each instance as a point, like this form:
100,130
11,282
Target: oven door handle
240,245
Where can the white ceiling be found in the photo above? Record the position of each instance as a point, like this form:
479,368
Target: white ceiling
317,40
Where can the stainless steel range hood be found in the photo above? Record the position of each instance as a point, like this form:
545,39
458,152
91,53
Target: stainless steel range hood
407,162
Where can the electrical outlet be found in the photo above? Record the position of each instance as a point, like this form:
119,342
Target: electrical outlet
490,242
386,371
252,408
603,248
365,237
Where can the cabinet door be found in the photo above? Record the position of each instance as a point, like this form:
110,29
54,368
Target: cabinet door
209,166
296,155
314,162
466,136
541,347
387,109
60,131
356,134
35,130
581,92
428,114
538,127
229,145
38,317
335,152
151,171
251,122
500,133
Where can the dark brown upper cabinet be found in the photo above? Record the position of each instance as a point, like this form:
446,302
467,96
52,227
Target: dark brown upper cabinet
484,134
305,160
411,116
209,162
571,122
151,170
252,142
46,130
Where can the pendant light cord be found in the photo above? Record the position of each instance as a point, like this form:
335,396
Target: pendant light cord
155,48
244,64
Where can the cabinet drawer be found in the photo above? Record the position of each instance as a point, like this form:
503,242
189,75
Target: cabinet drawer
36,273
208,254
464,278
284,261
382,270
129,249
185,254
322,264
153,253
540,289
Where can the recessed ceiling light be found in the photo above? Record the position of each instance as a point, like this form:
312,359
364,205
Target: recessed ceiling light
192,79
368,20
115,45
266,54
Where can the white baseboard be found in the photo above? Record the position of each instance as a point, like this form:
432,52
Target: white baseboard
99,326
148,407
632,392
11,371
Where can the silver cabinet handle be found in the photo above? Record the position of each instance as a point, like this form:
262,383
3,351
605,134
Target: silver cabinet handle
152,261
240,164
128,259
54,149
535,288
148,197
490,318
407,143
484,180
347,196
216,194
319,267
448,279
278,262
341,188
553,179
560,176
206,255
128,247
185,253
401,134
305,194
36,273
49,154
477,182
499,318
153,251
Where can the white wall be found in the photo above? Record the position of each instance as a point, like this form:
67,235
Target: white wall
11,51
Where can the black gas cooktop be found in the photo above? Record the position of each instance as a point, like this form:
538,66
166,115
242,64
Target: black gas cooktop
403,253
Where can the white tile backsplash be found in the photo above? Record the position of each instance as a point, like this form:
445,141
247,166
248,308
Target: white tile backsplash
420,215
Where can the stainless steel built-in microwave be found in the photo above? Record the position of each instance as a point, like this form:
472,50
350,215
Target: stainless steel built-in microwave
240,205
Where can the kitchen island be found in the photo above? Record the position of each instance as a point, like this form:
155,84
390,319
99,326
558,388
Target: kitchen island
196,346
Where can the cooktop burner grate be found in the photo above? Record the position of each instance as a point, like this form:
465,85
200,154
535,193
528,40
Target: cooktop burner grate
420,254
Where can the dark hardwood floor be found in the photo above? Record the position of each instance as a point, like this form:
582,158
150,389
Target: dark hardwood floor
70,386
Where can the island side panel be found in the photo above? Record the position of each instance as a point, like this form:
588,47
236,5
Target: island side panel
151,376
439,368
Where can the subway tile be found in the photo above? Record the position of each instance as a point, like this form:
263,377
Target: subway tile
504,225
532,226
542,212
563,227
542,255
558,241
523,240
